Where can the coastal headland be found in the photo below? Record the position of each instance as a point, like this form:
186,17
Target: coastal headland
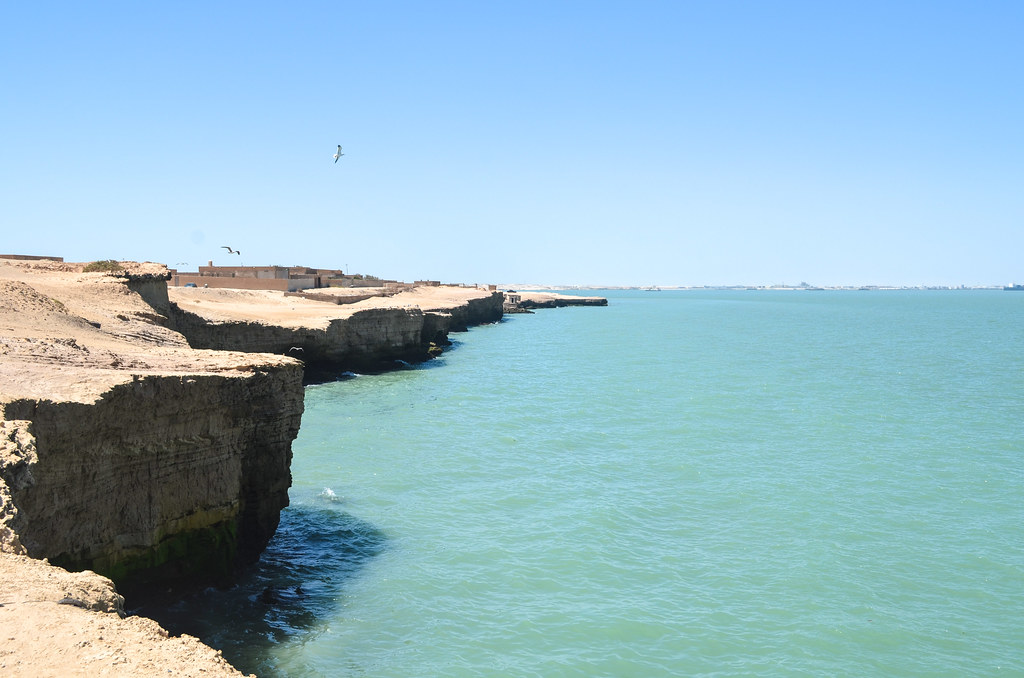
537,299
145,440
326,333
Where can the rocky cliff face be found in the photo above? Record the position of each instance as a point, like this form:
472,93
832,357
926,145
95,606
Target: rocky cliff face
477,311
127,451
439,320
368,339
548,300
122,449
164,477
363,339
17,457
152,289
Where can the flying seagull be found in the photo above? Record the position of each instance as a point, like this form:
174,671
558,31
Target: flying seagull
230,251
338,154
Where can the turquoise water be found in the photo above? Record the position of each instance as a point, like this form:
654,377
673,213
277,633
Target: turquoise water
683,483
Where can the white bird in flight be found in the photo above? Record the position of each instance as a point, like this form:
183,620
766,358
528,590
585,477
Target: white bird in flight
338,154
230,251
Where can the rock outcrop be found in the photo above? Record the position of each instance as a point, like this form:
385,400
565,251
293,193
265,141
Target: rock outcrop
476,311
441,319
531,300
59,623
161,478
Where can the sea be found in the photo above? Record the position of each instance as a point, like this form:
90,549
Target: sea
682,483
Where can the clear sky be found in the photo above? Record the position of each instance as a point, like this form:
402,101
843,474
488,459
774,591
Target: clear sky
586,143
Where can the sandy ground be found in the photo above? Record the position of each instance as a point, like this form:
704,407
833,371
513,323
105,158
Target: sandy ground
67,335
55,623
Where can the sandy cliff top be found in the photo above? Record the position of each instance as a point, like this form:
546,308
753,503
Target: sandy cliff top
69,335
289,310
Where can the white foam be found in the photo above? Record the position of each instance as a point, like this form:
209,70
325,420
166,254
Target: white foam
329,495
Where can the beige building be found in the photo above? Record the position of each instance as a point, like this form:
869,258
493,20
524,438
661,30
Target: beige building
283,278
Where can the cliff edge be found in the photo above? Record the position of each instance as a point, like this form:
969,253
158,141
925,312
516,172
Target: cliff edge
368,335
124,450
145,438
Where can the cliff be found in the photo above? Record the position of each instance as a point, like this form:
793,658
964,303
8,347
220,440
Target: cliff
145,434
179,475
531,300
124,451
57,623
367,339
367,335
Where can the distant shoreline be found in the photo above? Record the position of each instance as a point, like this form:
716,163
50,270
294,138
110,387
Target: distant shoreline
754,288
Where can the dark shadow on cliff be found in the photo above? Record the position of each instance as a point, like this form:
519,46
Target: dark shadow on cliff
429,355
326,372
296,585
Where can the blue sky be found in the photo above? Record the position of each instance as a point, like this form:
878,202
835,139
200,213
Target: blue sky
587,143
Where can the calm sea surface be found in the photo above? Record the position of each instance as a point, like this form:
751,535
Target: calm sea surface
683,483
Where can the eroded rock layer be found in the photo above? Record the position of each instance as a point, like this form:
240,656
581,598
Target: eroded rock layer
163,477
366,339
367,335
